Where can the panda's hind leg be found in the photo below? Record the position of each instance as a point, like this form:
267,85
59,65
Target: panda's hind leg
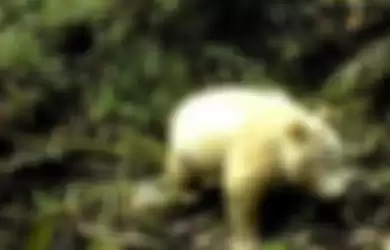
178,176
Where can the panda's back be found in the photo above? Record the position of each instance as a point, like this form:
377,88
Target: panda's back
204,123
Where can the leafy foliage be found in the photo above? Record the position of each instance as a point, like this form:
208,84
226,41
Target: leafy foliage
86,87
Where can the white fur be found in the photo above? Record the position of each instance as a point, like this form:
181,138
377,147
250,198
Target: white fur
204,125
254,135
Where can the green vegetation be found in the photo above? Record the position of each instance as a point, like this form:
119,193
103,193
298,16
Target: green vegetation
86,87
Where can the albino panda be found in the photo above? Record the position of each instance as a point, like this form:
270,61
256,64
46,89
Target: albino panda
242,138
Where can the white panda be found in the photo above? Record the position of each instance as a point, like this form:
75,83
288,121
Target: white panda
242,139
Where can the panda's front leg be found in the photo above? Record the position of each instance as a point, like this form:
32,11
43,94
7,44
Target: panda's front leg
245,179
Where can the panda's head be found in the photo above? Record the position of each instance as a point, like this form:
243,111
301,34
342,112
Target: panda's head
312,154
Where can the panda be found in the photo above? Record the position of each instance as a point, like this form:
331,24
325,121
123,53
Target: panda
242,139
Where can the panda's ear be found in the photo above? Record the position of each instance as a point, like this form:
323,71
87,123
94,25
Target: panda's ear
298,131
328,114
